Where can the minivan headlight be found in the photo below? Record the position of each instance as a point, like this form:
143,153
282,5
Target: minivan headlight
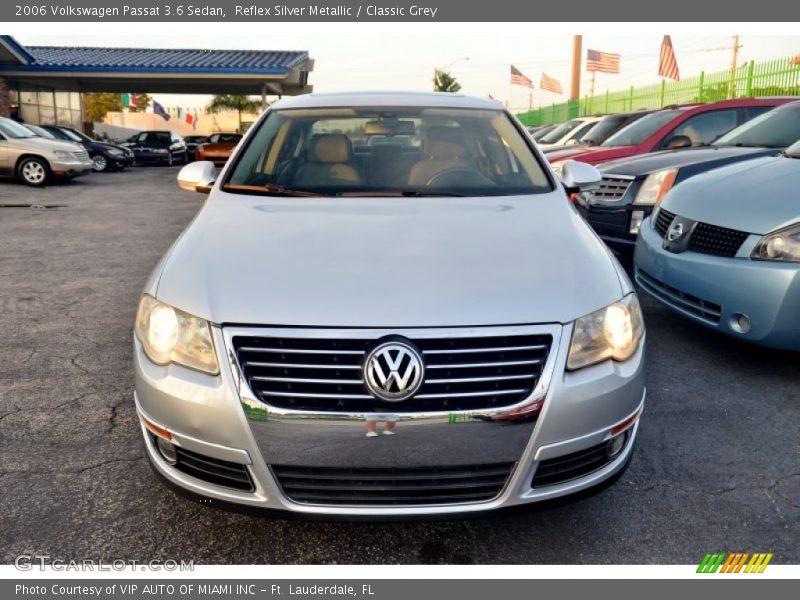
612,332
655,187
169,335
782,245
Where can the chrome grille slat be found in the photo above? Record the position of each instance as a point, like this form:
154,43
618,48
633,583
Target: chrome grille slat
474,372
612,187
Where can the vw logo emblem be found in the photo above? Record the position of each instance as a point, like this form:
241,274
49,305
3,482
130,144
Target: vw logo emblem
675,232
393,371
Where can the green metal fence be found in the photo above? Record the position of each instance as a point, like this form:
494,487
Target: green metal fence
780,77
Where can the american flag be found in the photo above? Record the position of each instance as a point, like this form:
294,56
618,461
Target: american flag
517,78
668,67
604,62
551,84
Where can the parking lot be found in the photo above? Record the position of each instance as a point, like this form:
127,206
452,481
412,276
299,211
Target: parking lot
716,467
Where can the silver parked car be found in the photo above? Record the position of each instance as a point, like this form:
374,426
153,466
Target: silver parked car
724,250
36,160
406,328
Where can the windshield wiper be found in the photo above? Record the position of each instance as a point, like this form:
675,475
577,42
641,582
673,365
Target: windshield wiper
269,189
396,193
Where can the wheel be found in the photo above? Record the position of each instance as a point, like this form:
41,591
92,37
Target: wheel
100,163
34,171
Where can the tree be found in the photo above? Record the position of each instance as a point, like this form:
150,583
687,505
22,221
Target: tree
239,103
98,105
142,102
444,82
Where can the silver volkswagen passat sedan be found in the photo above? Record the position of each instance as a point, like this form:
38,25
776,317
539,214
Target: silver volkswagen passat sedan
387,307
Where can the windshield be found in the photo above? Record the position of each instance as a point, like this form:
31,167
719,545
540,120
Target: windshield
450,152
40,131
777,128
559,132
635,133
604,128
12,129
70,134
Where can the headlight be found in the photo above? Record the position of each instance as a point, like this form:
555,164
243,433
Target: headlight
783,245
115,152
171,335
655,187
63,155
612,332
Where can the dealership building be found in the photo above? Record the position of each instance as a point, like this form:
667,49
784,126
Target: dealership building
43,84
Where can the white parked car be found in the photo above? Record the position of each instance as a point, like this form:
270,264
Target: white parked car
569,133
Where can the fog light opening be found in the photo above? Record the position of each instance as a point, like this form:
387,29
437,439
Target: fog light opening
615,445
167,450
740,323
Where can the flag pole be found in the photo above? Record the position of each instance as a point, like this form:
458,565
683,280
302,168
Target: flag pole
591,93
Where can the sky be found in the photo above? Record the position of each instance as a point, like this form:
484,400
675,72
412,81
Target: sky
352,57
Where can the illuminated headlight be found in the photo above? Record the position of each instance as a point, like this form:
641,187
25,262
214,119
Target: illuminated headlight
169,335
613,332
655,187
783,245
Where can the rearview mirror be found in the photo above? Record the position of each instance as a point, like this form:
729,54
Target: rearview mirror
678,141
197,176
579,177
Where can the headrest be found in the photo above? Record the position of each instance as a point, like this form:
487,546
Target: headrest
330,148
445,143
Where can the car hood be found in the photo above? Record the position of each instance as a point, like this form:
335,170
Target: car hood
106,146
757,196
667,159
43,144
389,262
218,147
592,154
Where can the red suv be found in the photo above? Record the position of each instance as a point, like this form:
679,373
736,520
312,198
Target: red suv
670,128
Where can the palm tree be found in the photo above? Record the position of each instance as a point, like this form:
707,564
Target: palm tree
237,102
444,82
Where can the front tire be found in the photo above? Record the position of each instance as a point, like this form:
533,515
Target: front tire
100,163
34,171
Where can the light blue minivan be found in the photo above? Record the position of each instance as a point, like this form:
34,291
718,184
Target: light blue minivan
724,250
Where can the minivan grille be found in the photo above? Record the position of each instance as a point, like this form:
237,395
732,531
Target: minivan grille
612,188
321,374
703,309
715,240
392,486
663,221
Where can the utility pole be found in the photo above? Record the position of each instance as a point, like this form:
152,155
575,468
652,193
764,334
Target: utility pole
734,60
575,88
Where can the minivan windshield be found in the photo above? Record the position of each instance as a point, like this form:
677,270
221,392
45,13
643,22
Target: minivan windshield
421,151
641,129
12,129
777,128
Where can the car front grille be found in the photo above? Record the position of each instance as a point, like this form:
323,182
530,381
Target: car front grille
570,466
612,187
698,307
715,240
214,470
706,238
320,374
663,221
393,486
81,155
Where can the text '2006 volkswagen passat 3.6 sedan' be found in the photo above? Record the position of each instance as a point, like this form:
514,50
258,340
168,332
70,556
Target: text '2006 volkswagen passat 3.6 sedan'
388,307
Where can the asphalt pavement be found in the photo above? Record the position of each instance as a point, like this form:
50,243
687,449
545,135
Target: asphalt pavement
717,466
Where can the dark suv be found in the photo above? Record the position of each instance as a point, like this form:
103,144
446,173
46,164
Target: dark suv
631,187
165,147
105,156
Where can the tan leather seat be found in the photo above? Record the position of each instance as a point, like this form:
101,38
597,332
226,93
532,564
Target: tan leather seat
330,158
443,149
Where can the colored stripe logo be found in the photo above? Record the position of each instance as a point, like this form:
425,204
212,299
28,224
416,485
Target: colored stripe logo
734,562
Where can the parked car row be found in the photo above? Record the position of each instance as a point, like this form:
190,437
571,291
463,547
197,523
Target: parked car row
40,154
700,203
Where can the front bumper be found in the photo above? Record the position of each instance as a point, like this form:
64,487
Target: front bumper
207,415
71,169
612,222
150,157
714,291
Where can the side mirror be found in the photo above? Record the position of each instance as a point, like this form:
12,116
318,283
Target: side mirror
197,177
579,177
678,141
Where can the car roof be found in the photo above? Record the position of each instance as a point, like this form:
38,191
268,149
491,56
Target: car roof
415,99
